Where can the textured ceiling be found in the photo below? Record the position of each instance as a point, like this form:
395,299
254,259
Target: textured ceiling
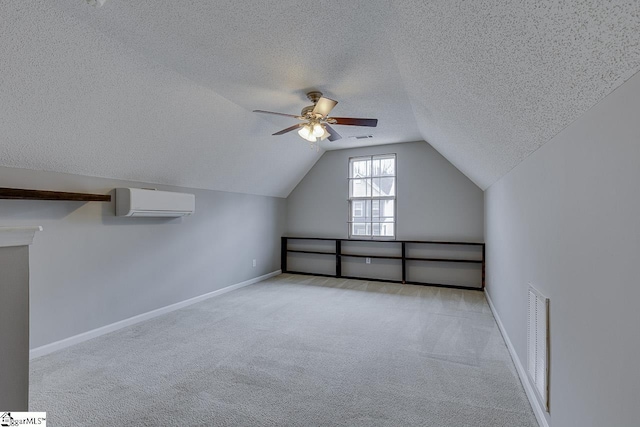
161,91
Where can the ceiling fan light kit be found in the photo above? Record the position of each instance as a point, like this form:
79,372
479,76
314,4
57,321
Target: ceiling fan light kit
313,133
316,126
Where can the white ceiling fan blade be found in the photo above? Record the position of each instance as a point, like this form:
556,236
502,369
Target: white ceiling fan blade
324,106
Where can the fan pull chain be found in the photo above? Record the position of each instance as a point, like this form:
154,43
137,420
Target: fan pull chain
315,145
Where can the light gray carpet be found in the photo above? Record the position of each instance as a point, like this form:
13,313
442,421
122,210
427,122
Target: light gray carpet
294,350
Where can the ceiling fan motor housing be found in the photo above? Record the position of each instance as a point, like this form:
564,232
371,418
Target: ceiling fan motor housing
314,96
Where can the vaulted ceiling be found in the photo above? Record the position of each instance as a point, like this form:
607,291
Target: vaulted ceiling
162,91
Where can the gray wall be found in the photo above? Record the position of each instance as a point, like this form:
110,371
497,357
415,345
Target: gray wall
434,201
567,220
14,328
90,268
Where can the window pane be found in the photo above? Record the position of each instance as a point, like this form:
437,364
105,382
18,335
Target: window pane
387,166
360,168
375,210
375,167
383,187
387,209
387,229
361,229
360,211
360,188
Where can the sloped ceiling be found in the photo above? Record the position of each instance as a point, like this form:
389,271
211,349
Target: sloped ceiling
162,91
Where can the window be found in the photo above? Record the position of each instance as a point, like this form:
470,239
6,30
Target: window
372,196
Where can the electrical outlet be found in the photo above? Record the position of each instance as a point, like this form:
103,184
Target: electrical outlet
254,262
367,260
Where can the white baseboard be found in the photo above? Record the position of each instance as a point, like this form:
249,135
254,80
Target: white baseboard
522,373
76,339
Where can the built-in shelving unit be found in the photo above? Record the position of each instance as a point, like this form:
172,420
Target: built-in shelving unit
21,194
397,252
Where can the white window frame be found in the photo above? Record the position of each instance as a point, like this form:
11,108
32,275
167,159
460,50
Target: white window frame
351,199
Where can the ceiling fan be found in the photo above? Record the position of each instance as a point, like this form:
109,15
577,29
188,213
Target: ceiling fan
316,123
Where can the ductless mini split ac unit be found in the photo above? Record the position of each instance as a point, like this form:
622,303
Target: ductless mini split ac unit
141,202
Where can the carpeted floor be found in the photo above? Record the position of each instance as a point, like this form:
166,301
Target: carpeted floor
294,350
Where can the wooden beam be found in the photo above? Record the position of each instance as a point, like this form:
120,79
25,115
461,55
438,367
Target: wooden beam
21,194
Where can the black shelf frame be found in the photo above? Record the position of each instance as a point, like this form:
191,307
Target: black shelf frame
284,250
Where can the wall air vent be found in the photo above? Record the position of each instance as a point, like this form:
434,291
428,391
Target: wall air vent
361,137
538,344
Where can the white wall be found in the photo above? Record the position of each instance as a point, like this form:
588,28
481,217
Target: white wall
90,268
567,220
434,201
